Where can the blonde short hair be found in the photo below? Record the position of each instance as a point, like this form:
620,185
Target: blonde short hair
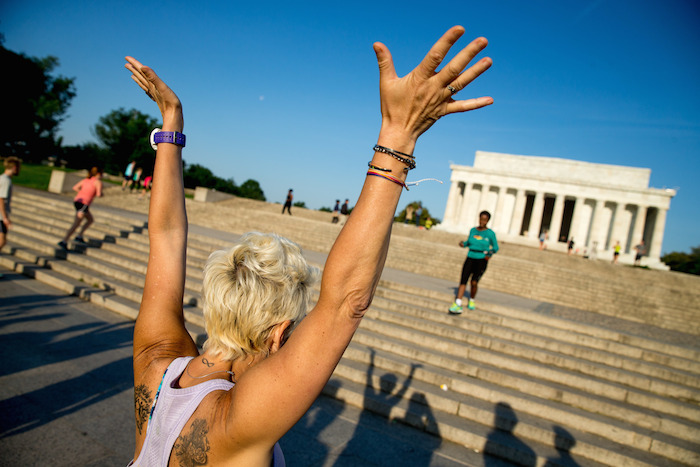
262,281
11,162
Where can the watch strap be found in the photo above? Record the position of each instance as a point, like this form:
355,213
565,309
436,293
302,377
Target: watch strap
173,137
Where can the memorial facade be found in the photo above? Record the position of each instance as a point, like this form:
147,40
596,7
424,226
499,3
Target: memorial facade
595,204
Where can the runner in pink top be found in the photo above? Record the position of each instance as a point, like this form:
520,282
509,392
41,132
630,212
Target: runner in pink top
88,188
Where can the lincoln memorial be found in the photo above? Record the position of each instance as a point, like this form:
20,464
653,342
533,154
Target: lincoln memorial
595,204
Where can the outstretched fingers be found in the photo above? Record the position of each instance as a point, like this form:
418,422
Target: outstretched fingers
148,80
426,68
467,105
470,74
453,69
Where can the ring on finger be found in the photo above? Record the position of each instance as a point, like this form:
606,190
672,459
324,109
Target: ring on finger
452,89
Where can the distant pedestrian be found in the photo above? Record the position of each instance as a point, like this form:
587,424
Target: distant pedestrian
288,202
12,168
482,245
409,214
345,210
147,182
336,212
543,240
616,252
571,246
136,179
88,189
128,175
641,250
419,212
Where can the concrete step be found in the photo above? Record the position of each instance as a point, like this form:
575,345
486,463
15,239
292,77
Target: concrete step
457,416
613,392
568,338
555,403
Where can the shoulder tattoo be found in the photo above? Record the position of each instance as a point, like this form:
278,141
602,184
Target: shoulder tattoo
142,404
191,449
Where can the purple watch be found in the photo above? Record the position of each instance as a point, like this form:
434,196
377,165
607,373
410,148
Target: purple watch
174,137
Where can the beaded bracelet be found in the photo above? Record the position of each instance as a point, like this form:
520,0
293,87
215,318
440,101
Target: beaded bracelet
388,177
407,159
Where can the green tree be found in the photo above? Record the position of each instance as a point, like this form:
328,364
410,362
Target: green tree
124,133
684,262
299,204
251,189
425,213
36,102
85,156
195,175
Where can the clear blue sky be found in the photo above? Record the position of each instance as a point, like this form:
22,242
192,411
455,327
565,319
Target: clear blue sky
286,92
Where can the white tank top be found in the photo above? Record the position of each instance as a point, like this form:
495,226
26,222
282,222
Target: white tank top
171,409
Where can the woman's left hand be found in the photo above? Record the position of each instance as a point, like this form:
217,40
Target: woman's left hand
168,103
410,105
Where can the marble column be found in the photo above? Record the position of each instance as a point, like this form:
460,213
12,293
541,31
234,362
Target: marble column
516,222
499,216
536,216
658,237
576,220
557,213
621,227
484,198
638,230
454,202
464,208
596,223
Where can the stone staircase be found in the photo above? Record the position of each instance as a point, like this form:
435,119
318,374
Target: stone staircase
665,299
524,386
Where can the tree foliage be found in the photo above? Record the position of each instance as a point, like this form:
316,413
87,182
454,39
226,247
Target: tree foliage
124,134
425,213
35,103
251,189
684,262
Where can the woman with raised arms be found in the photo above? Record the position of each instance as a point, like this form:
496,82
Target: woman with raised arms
256,378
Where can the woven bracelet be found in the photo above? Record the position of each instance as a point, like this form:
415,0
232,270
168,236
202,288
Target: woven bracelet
387,177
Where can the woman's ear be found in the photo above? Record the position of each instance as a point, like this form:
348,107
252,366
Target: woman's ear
279,335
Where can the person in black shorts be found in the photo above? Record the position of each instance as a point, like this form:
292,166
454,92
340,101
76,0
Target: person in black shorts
482,245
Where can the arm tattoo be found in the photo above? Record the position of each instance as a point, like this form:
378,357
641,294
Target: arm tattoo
142,403
191,449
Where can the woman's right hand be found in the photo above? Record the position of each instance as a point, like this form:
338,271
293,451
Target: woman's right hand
410,105
168,103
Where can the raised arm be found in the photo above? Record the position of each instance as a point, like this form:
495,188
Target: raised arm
160,330
280,389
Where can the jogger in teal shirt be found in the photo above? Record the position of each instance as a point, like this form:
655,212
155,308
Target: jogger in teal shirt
482,245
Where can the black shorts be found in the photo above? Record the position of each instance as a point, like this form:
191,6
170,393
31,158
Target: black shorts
475,268
3,227
80,207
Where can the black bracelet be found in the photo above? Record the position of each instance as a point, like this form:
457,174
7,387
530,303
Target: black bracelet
407,159
384,149
381,169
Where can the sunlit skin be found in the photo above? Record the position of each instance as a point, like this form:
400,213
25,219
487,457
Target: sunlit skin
275,388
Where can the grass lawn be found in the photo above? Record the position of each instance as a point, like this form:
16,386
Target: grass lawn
38,176
35,176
